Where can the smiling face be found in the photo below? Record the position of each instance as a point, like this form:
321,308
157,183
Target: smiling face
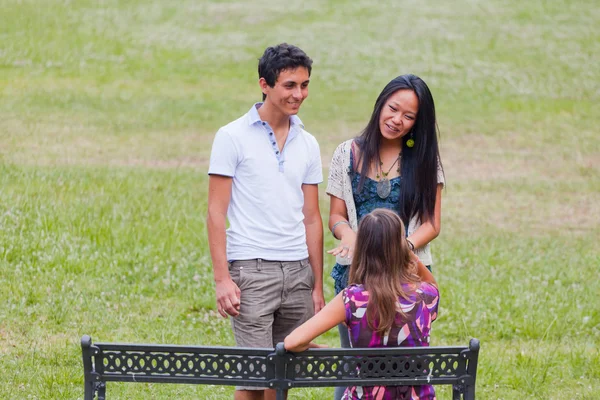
289,91
398,114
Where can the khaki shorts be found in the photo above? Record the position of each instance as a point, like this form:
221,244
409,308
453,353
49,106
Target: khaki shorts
276,299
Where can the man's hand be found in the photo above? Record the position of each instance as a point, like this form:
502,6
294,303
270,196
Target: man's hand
228,298
318,299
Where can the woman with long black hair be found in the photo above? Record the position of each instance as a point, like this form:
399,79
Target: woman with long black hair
394,164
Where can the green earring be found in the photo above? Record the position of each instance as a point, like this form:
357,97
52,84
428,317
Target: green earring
410,142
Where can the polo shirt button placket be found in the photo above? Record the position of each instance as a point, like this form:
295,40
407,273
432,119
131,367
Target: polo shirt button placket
279,160
274,144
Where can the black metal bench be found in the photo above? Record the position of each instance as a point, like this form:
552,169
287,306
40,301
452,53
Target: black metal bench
278,369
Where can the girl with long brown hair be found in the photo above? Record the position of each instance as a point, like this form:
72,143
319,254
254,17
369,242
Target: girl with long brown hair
391,300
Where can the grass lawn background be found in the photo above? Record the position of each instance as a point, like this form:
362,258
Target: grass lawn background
107,114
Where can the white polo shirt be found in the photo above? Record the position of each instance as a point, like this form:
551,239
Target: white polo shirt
265,211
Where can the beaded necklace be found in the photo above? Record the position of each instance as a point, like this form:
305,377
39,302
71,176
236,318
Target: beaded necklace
384,187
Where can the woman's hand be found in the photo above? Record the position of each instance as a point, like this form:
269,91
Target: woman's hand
346,246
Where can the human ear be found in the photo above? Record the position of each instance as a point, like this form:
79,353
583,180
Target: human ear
262,82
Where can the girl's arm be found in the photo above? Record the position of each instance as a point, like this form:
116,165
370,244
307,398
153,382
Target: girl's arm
425,274
429,230
331,315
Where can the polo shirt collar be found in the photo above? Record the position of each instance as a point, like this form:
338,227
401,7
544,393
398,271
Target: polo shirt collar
254,118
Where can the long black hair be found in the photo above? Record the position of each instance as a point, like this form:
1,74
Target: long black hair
419,163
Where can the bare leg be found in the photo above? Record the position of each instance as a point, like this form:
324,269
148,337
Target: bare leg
270,394
248,395
345,343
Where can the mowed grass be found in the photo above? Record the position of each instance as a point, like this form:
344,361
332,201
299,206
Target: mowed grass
107,113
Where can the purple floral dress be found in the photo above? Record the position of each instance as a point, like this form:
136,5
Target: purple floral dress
410,331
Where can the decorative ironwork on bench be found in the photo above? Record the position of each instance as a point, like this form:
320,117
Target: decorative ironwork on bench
122,362
278,369
355,365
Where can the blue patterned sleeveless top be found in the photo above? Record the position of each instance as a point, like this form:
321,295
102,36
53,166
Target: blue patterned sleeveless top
366,201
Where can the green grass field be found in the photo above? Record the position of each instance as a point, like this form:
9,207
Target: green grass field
107,113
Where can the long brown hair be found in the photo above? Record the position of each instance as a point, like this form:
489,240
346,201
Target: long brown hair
382,263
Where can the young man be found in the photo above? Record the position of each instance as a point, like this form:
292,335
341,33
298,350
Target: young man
263,176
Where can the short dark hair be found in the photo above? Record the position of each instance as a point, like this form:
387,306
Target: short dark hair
279,58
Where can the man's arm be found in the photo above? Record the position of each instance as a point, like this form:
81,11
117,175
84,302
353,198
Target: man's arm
314,241
227,292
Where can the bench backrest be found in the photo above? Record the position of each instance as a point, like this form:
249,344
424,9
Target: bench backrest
278,369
